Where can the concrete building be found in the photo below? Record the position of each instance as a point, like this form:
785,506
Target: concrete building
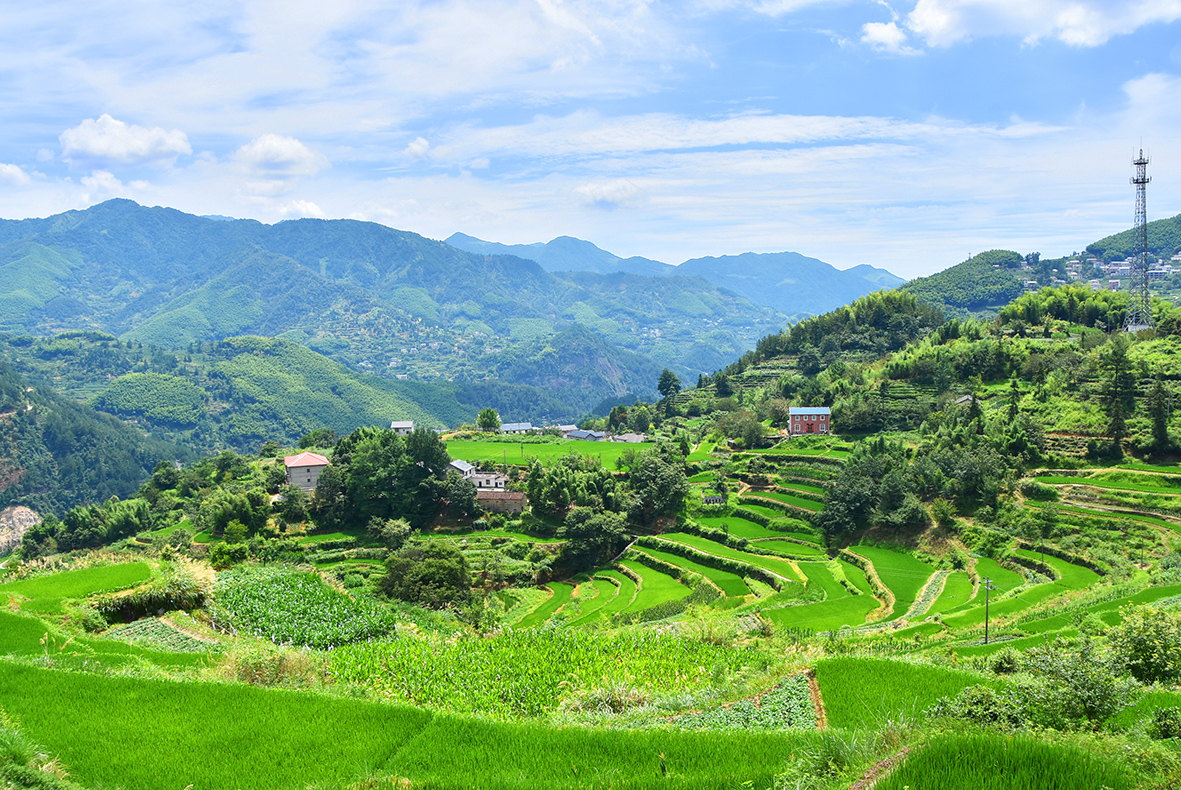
402,427
304,470
808,419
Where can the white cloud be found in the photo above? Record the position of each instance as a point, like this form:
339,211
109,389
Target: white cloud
301,208
609,194
418,148
13,174
280,157
886,37
110,140
1083,23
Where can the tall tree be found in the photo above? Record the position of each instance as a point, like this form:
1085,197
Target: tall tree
1158,408
488,419
668,385
1119,391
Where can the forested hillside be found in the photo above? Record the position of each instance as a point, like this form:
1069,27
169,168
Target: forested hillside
378,300
56,453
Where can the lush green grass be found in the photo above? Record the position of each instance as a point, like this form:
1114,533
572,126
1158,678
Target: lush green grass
1002,579
526,672
324,537
1070,576
655,587
1060,621
806,504
867,692
857,577
739,527
819,575
1150,483
786,448
792,548
562,593
801,487
1025,599
957,591
901,573
774,564
1148,702
627,592
826,615
522,454
604,592
503,532
45,593
986,761
729,583
1107,514
701,453
769,512
145,735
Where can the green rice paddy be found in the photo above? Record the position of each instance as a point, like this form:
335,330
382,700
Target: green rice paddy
957,591
655,587
729,583
562,592
775,565
45,594
738,527
901,573
522,454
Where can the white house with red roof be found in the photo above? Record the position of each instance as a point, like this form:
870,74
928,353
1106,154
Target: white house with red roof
304,470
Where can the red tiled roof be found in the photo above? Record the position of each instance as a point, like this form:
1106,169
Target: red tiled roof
305,459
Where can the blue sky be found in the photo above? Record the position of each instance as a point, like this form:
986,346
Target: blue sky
904,135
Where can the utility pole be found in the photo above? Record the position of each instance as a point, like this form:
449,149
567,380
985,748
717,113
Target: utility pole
987,584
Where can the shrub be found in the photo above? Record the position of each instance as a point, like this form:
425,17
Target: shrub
1148,643
1166,723
981,705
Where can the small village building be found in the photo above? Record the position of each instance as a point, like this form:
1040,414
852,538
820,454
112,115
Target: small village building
501,501
463,467
402,427
516,427
304,470
492,481
713,499
588,436
629,438
566,430
808,419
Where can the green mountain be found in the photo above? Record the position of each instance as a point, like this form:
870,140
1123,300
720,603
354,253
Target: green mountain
785,281
377,300
1164,239
56,453
984,282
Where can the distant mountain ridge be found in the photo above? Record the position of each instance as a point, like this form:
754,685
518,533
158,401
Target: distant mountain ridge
793,284
381,301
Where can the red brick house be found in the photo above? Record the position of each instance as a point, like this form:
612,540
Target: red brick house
808,419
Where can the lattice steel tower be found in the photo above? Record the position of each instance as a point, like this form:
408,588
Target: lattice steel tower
1139,299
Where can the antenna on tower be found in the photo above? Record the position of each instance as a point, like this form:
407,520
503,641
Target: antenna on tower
1139,299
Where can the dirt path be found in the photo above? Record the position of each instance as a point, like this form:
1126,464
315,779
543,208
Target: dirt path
879,769
817,701
918,608
888,601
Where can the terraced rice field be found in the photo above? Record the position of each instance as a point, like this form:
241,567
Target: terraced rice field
775,565
1107,514
792,548
1070,576
655,587
592,597
738,527
1107,610
863,693
622,599
522,454
957,591
819,575
729,583
769,512
562,593
826,615
806,488
795,501
903,574
1002,579
46,593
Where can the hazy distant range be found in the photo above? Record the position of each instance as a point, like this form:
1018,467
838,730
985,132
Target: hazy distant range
794,284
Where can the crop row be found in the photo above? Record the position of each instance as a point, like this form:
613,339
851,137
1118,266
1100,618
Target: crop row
291,607
528,672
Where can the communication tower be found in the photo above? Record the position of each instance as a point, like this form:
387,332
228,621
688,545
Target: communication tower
1139,299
